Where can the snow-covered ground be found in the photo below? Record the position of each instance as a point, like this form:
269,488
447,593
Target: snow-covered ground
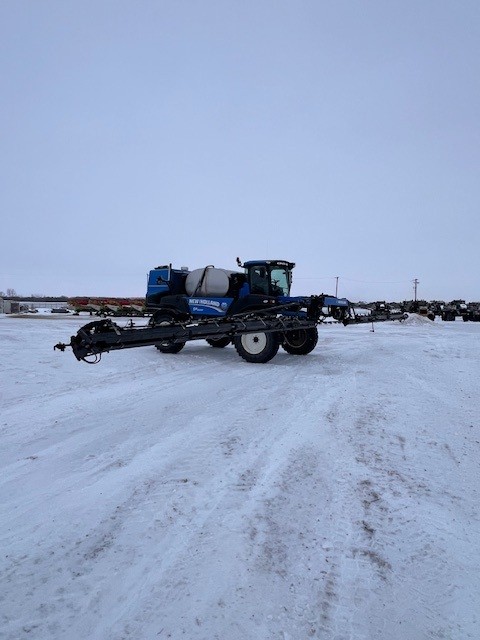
196,496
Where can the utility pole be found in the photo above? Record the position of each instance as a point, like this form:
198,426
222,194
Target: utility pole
336,287
416,282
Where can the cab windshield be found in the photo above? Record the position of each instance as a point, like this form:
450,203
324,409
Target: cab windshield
272,280
279,278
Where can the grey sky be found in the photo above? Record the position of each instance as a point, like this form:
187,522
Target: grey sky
341,135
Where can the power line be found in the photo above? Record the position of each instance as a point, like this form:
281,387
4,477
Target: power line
355,280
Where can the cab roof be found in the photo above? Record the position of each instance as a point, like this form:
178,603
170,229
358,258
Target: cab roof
264,263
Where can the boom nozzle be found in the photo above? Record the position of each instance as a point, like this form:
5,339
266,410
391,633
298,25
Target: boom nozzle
61,346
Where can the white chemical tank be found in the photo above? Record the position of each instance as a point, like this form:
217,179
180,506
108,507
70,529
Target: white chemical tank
208,281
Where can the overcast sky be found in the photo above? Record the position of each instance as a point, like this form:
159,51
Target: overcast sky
341,135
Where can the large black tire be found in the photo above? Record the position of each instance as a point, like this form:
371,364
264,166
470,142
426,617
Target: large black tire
300,342
219,343
163,319
257,347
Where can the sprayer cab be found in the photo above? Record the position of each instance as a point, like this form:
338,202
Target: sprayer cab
269,277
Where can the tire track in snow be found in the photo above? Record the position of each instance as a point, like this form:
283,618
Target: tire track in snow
390,541
226,509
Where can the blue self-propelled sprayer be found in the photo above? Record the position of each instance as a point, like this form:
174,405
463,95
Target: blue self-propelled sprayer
252,309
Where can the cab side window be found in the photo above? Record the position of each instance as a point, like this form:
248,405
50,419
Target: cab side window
259,280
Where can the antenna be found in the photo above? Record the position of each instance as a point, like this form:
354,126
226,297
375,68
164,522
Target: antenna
416,282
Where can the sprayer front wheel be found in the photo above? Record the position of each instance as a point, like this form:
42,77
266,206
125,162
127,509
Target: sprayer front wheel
300,342
257,347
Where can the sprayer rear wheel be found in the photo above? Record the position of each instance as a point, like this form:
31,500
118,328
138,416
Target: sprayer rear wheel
219,343
165,320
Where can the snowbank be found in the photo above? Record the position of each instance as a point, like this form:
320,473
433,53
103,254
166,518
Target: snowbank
415,319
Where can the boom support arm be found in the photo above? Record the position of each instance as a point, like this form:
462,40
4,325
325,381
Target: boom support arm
102,336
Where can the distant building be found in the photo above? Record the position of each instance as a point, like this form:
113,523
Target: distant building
16,305
5,306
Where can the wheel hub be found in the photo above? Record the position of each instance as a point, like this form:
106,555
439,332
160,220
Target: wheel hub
254,343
